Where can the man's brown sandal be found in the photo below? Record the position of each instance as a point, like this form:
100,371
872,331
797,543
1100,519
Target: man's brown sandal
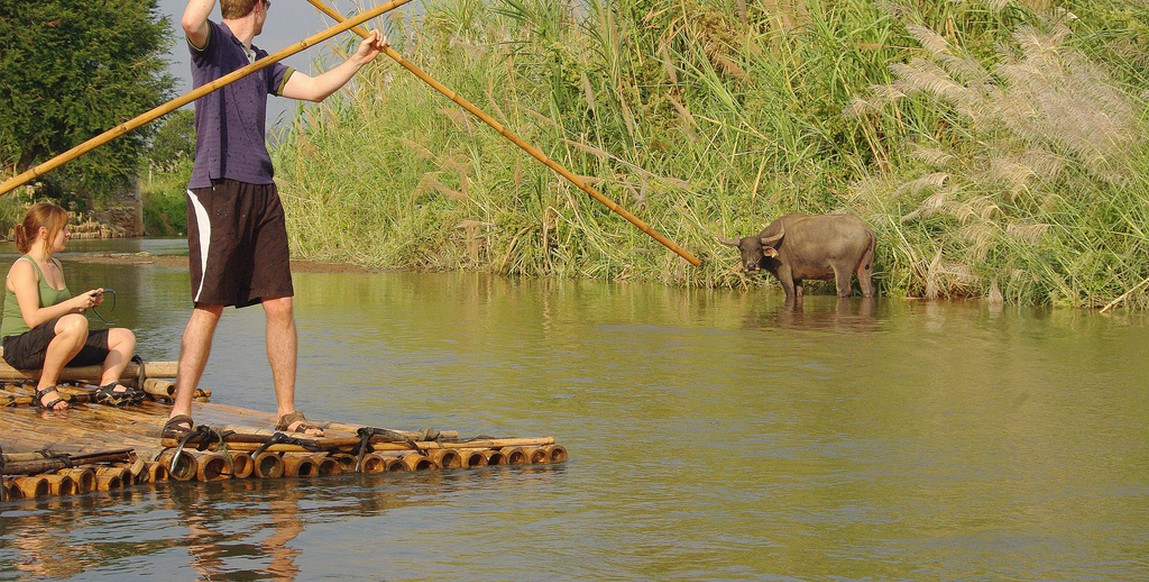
289,419
38,401
177,427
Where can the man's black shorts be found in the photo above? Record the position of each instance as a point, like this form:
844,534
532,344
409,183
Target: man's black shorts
237,244
27,350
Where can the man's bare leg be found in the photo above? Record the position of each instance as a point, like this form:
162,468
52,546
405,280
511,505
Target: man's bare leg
194,351
282,354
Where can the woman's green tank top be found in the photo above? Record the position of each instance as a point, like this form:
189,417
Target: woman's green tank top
14,323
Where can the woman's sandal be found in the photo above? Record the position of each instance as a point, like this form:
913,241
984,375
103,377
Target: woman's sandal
289,419
107,394
177,427
38,401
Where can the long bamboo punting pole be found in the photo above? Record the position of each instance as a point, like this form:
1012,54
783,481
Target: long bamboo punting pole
534,152
182,100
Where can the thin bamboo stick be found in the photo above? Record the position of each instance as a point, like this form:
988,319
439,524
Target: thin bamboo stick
535,153
182,100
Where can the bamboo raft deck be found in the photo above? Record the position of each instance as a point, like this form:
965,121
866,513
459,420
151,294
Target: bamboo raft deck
93,447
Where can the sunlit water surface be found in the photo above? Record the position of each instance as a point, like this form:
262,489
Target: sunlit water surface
712,435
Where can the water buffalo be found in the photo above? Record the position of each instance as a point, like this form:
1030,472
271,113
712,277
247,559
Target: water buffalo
796,247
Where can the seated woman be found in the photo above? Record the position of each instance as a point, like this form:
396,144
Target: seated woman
44,325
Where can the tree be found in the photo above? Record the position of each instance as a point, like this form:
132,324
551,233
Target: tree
72,70
174,141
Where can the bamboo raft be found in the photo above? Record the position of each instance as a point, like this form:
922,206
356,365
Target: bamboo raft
102,448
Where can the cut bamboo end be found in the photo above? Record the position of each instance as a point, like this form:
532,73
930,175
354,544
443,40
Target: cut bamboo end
211,467
156,472
346,461
294,466
495,457
184,468
161,388
446,458
558,453
515,455
417,462
373,464
537,456
471,459
325,465
241,467
268,466
85,478
109,483
61,484
32,487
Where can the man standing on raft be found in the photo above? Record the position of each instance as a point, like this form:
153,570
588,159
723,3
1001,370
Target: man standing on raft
237,236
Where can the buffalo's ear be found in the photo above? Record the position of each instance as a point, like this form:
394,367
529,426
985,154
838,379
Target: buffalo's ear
770,252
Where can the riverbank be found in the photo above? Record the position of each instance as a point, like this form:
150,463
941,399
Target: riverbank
181,262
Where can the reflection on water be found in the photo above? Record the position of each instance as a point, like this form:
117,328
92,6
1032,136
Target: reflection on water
713,434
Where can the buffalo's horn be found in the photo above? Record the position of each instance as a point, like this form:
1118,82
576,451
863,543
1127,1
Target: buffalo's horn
728,242
769,241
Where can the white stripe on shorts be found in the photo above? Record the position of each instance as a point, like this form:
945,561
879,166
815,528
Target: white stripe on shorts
203,222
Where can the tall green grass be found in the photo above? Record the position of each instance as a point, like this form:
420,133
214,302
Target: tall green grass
995,146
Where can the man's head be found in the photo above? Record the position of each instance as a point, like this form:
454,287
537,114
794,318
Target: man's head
235,9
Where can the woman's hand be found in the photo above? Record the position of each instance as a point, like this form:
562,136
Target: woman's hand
87,300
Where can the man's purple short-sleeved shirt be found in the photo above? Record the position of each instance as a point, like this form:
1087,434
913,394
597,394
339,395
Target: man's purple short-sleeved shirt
230,123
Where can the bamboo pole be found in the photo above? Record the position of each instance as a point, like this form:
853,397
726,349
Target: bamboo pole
61,484
474,458
535,153
31,487
91,374
211,467
446,458
268,466
397,447
182,100
326,465
85,478
299,466
514,455
558,453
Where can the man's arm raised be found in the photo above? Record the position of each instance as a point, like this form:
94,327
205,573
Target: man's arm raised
194,21
319,87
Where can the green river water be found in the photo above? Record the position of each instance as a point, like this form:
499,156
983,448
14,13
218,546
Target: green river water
713,435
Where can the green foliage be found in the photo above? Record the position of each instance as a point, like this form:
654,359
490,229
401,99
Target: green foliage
72,70
173,141
164,191
996,146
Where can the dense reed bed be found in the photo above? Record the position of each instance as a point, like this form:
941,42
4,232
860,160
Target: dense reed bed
996,147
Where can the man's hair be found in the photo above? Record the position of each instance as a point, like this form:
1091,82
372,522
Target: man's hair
231,9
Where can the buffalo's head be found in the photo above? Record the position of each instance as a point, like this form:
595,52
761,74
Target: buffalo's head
754,249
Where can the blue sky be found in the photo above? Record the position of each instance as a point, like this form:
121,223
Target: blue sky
288,22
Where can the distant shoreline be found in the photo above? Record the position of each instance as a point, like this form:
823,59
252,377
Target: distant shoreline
181,262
